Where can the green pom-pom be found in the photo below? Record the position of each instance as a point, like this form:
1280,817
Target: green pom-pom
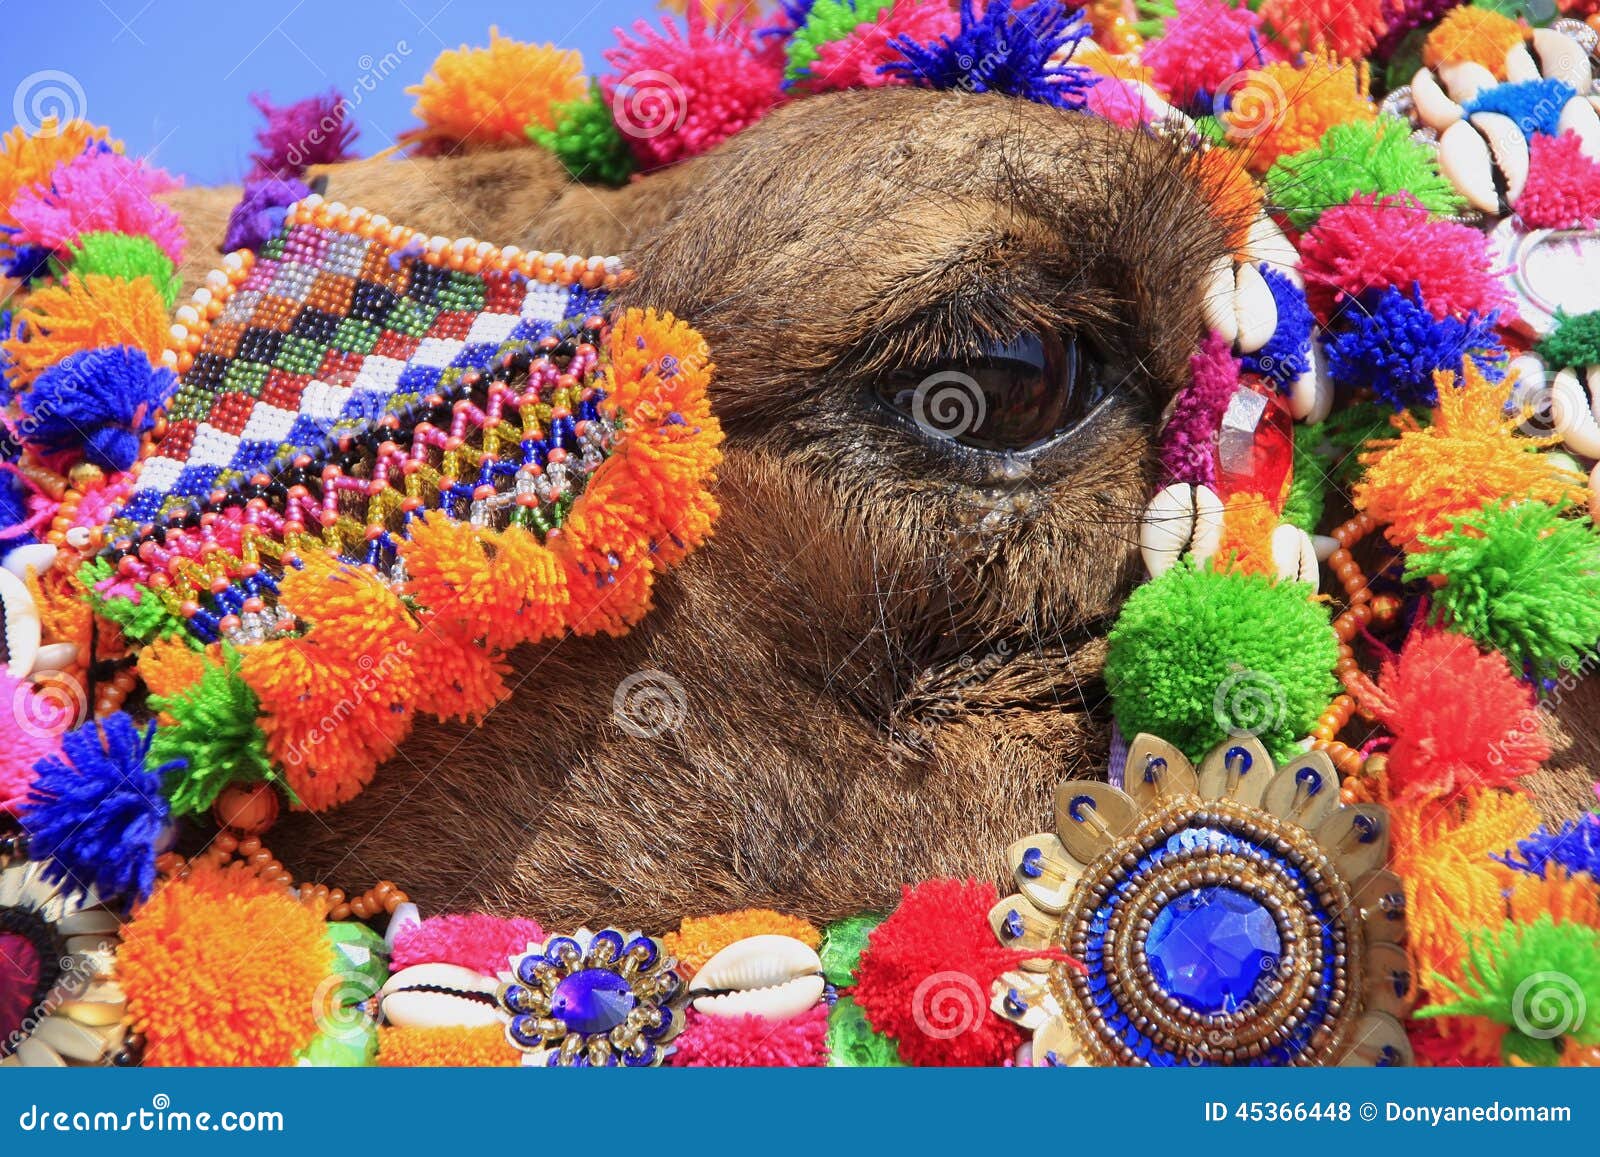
586,141
1308,491
1575,342
1198,656
215,734
1520,579
852,1043
126,257
1211,129
828,20
842,944
142,620
1376,157
1540,980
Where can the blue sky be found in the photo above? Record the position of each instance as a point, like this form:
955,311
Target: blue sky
172,78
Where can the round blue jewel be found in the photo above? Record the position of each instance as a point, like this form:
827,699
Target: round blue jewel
592,1000
1211,948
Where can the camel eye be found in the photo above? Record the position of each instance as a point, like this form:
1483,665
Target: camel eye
1011,396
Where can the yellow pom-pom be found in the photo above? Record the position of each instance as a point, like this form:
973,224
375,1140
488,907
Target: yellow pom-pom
222,968
1248,521
1469,456
700,938
488,97
85,314
1475,35
1282,109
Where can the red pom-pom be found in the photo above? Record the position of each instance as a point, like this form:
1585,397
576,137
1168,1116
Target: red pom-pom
1460,719
1374,243
676,96
1563,189
474,940
925,977
735,1042
1350,27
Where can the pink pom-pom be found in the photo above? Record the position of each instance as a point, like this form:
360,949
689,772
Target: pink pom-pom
1207,42
676,96
1563,189
314,131
1374,243
855,61
1120,102
481,943
98,192
1190,437
733,1042
31,726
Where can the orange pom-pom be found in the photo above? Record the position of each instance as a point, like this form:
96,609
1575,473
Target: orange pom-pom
1248,521
649,504
1473,34
474,1048
1469,456
29,158
338,700
1442,851
1349,27
1283,109
465,678
1234,197
168,666
1564,897
699,938
1460,718
488,97
222,968
504,587
85,314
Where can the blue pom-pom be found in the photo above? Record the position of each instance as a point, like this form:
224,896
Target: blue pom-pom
1574,846
26,262
1288,355
98,815
98,400
1005,50
1534,104
1394,345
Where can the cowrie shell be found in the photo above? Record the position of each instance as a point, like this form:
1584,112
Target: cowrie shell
1573,410
773,977
1465,161
1521,67
1255,308
1434,108
1562,58
38,557
1266,244
439,996
1508,146
1579,118
1180,517
1294,555
21,625
1217,306
1465,79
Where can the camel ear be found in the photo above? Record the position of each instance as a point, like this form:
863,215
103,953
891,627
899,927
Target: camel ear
518,197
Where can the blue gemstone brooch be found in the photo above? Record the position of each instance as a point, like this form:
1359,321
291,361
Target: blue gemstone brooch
1234,914
593,999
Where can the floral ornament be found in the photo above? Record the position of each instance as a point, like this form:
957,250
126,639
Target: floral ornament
1234,914
594,999
58,1003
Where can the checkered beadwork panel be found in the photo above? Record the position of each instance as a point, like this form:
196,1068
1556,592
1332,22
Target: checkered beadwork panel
329,333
